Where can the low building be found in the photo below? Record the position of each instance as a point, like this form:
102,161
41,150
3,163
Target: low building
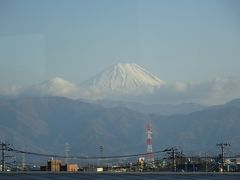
72,167
56,166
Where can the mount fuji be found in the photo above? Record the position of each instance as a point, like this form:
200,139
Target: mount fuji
116,82
123,79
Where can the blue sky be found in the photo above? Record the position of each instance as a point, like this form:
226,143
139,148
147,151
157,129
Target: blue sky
186,40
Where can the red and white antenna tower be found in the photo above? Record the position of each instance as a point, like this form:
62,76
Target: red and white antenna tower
150,158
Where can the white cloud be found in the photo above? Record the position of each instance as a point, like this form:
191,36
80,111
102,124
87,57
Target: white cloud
222,90
10,90
217,91
180,86
56,87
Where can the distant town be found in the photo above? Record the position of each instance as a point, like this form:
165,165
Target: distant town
167,160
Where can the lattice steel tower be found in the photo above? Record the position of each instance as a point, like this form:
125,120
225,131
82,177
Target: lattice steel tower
66,152
150,158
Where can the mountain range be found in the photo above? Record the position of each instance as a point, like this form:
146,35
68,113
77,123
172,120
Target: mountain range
163,109
102,111
130,82
114,82
45,124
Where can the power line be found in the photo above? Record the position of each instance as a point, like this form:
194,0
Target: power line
83,157
96,157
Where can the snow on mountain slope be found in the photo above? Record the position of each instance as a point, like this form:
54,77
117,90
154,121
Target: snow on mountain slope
130,82
116,81
123,78
54,87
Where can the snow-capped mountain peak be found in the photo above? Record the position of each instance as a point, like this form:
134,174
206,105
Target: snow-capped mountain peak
124,78
115,82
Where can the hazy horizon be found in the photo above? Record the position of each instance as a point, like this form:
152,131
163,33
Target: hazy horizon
188,44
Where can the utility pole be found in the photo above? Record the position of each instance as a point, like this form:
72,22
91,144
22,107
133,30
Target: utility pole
23,158
3,155
2,162
174,165
101,155
206,162
172,152
222,146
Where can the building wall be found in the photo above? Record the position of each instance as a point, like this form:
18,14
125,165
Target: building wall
72,167
54,165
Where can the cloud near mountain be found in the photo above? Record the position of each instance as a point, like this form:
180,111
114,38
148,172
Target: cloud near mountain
216,91
10,90
54,87
132,82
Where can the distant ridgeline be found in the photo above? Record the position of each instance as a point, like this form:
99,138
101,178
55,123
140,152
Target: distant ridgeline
47,123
